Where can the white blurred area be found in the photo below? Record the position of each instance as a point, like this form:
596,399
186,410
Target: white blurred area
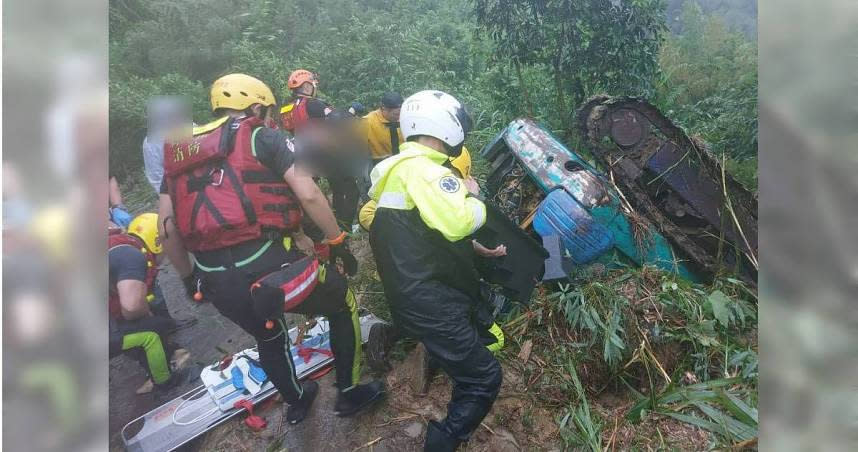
55,125
808,225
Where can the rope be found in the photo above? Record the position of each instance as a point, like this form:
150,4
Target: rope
198,418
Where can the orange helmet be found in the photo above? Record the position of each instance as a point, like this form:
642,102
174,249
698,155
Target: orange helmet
299,77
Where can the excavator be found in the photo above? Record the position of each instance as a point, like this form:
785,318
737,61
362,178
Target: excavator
650,195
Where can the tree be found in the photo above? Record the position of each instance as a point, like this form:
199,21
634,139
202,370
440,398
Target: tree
587,45
360,49
722,105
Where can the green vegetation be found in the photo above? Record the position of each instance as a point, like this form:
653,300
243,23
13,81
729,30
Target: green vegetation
681,351
677,349
504,59
721,106
586,47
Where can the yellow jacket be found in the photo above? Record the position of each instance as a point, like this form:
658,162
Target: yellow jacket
462,164
378,135
416,178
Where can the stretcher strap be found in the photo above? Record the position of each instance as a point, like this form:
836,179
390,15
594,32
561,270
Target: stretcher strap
306,353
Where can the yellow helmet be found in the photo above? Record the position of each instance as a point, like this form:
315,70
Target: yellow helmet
51,226
145,227
239,91
463,163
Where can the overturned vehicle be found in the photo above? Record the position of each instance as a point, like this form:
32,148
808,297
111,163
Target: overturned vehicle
660,212
676,182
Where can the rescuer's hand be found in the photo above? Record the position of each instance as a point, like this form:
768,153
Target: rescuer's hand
304,243
120,216
472,186
481,250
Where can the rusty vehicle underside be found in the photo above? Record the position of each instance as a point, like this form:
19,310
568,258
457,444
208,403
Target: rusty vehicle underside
676,182
658,198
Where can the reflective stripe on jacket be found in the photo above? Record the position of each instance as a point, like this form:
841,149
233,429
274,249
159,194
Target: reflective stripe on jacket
416,178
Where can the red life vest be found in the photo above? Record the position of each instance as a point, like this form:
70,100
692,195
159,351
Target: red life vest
116,237
222,195
294,115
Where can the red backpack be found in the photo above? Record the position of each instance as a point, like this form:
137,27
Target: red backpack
116,237
222,195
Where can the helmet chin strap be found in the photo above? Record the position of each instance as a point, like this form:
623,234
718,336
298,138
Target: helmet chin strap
454,151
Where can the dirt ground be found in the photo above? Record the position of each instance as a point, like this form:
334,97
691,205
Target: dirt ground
397,424
126,375
518,420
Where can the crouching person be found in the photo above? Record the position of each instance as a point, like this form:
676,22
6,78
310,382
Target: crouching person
139,323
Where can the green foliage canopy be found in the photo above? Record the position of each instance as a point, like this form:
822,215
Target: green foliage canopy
708,85
504,59
589,45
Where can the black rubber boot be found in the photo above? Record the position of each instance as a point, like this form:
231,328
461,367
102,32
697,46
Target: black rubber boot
437,440
380,341
358,398
298,411
177,378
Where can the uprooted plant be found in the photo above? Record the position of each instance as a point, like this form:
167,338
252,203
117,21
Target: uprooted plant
681,350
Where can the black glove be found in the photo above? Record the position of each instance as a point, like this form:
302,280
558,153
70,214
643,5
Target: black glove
345,256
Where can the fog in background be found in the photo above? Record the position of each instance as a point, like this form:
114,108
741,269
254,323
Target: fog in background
740,15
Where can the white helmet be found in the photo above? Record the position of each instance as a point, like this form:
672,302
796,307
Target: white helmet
436,114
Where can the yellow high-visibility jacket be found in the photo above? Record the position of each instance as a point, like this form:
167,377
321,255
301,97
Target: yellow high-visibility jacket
416,178
419,213
462,163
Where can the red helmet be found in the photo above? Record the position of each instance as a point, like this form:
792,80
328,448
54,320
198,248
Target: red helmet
299,77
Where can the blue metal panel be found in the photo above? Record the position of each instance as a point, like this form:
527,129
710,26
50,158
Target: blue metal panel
561,214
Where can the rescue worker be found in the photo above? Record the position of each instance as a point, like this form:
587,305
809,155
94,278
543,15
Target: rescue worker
346,159
236,199
118,215
383,336
304,106
460,166
424,212
135,324
383,134
357,109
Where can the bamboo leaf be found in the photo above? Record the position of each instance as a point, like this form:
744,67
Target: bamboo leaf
696,421
734,428
738,408
719,303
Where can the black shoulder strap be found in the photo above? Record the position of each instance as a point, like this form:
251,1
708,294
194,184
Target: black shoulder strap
227,136
246,204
